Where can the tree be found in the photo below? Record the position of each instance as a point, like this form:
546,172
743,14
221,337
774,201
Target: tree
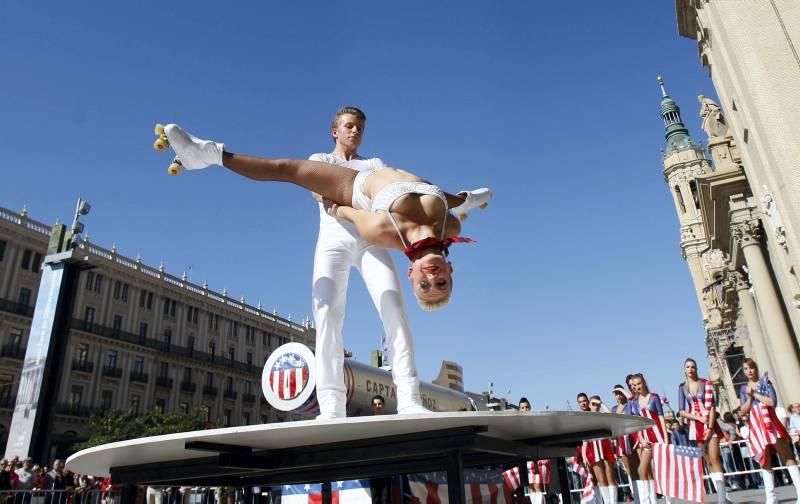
124,425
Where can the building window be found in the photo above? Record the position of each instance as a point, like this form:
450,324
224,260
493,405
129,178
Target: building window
117,289
190,343
209,379
88,317
142,330
6,387
15,338
231,353
229,384
168,337
83,353
166,306
189,311
163,369
26,259
212,349
161,405
24,300
98,282
76,397
248,388
142,298
111,359
172,306
2,249
679,197
226,417
37,263
138,365
187,375
125,293
136,400
149,300
116,325
246,418
249,358
106,400
89,280
264,419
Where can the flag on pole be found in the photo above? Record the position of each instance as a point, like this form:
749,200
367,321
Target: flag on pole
587,482
513,479
344,492
480,486
678,471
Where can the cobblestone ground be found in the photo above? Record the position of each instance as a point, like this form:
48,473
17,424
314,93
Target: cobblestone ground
785,494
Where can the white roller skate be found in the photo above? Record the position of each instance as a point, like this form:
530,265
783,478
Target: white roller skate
479,198
191,152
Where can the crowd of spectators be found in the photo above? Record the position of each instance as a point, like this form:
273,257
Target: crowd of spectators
27,482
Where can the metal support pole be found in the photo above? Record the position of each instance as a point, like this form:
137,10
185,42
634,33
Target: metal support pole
455,478
561,480
327,498
524,482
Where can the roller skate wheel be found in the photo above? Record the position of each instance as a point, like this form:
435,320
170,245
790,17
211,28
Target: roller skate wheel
462,217
484,205
174,169
161,143
159,130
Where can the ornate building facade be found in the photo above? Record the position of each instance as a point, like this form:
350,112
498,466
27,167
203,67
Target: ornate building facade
739,211
139,339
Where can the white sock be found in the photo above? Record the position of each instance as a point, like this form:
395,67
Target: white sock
769,486
606,497
538,498
651,490
794,472
719,483
612,493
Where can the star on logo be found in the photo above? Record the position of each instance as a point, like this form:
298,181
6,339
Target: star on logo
340,484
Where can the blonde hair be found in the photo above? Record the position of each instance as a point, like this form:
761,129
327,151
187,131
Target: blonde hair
430,306
348,110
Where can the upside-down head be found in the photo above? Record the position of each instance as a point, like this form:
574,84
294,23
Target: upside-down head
432,280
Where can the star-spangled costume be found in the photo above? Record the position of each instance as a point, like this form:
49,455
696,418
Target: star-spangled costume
700,403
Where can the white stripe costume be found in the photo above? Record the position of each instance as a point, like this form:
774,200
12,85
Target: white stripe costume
339,248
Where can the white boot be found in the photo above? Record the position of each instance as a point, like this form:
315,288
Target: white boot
537,498
651,492
193,153
635,488
612,493
719,484
769,486
642,490
479,198
794,472
409,401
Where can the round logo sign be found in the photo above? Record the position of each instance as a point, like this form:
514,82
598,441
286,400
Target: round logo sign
288,377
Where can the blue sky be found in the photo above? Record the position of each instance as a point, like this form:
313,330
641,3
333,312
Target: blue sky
577,278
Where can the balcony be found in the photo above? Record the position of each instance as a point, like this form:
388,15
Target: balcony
188,387
12,352
9,306
112,371
210,391
82,366
163,381
230,394
74,410
139,377
249,398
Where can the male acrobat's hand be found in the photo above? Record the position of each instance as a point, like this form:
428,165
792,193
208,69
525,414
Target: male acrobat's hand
330,207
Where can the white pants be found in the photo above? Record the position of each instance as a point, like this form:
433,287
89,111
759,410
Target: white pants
339,247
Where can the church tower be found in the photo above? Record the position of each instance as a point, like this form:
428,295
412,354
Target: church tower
684,162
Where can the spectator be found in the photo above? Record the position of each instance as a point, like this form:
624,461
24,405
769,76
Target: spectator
378,405
678,434
729,430
794,420
5,477
26,482
524,404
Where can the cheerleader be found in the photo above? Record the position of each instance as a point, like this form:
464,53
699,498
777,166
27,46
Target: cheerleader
594,454
624,445
648,405
767,434
696,404
609,464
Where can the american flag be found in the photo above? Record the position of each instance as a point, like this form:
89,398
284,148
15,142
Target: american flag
344,492
764,430
481,487
697,430
288,376
587,493
678,471
512,477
